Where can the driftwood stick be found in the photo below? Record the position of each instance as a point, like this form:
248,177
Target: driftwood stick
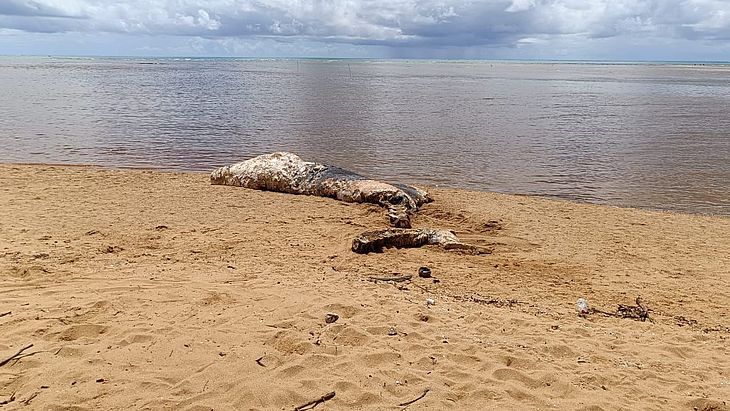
30,354
396,279
314,403
7,360
6,313
405,404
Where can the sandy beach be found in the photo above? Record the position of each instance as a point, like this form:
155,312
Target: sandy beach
155,290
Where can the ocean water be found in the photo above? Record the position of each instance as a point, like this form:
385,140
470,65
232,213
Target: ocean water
642,135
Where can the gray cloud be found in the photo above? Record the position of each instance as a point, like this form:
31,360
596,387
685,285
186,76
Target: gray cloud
390,23
29,8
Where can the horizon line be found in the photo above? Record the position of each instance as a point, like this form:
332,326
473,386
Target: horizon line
536,60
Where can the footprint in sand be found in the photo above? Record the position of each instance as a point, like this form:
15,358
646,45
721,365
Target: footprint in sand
344,311
79,331
351,336
507,374
135,339
28,272
287,342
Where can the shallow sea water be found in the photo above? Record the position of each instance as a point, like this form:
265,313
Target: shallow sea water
642,135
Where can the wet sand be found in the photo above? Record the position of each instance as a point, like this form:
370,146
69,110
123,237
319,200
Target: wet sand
152,290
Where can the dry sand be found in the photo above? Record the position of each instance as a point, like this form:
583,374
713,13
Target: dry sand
150,290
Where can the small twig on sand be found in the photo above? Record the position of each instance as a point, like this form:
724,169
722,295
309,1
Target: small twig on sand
9,400
314,403
396,279
421,287
640,311
7,360
495,302
598,311
4,314
258,361
29,399
405,404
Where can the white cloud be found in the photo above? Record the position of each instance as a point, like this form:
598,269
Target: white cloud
520,5
392,23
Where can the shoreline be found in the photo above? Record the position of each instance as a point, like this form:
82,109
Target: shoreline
425,186
150,289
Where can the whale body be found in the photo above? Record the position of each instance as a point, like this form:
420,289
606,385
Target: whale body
288,173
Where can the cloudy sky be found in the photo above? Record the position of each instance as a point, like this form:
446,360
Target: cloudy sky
523,29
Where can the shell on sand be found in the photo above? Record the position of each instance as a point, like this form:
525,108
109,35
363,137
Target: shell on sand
288,173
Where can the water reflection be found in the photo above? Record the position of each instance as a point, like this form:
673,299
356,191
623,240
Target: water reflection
329,117
636,135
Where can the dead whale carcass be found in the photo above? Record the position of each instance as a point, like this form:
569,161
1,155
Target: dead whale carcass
287,173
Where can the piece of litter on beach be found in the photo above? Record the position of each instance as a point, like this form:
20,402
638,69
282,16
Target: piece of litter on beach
582,306
329,318
430,301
